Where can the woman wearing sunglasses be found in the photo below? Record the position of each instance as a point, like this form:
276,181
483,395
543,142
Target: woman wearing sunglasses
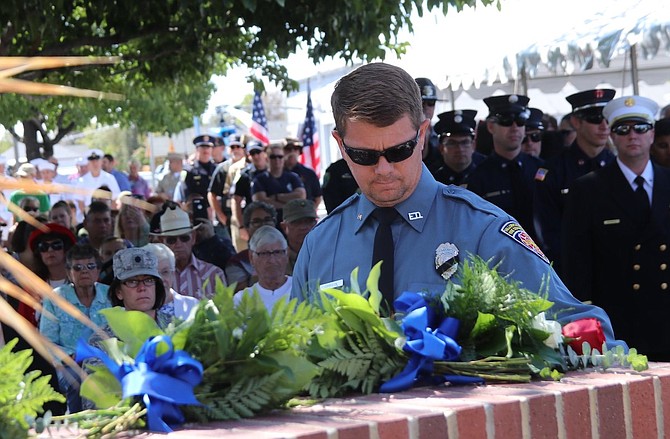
88,296
49,249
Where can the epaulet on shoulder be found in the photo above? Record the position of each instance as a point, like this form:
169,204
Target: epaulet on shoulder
469,197
338,210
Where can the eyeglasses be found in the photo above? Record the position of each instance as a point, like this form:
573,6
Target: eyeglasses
31,209
257,222
639,128
394,154
595,119
255,152
80,267
465,143
173,239
54,245
276,157
533,137
507,120
280,252
134,283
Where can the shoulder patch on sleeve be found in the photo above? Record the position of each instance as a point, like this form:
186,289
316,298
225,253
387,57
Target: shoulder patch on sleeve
541,174
513,230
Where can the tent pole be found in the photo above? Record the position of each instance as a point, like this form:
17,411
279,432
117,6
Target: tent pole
452,97
633,69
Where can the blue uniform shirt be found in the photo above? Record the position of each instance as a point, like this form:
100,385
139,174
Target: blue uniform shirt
434,214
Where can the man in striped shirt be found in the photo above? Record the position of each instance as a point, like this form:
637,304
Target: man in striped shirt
194,277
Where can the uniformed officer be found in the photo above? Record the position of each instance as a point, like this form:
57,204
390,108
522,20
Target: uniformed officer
431,150
505,178
338,184
532,141
456,131
379,130
198,177
616,232
660,149
587,153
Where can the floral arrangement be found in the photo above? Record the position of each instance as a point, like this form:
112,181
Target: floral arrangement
233,362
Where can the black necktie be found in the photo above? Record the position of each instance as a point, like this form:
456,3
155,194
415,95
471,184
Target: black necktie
383,251
642,198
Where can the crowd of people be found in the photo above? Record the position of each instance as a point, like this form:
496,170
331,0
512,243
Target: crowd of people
583,205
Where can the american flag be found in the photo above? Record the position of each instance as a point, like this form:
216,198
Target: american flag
311,153
259,126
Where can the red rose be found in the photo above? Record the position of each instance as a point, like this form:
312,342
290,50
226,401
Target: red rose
585,330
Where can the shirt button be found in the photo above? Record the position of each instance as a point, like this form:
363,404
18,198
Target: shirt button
663,267
663,247
636,287
664,286
636,267
637,247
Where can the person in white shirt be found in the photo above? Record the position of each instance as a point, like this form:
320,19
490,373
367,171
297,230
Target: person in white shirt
268,253
93,179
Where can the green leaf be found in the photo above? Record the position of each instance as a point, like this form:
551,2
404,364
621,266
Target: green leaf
353,281
373,287
299,370
132,327
485,322
102,388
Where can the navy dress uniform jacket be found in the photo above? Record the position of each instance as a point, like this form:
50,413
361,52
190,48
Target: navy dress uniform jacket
197,179
494,180
612,258
552,184
434,214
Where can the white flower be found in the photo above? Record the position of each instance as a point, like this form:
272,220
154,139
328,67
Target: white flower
552,327
446,260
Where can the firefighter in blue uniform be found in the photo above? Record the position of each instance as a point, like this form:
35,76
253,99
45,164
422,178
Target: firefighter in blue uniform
587,153
505,178
456,131
379,134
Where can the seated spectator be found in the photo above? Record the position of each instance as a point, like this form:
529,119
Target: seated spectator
175,304
49,249
195,277
98,224
27,173
299,218
108,249
61,213
131,224
268,255
239,269
89,297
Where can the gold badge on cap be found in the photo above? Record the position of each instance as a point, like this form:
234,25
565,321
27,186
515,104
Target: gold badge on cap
629,102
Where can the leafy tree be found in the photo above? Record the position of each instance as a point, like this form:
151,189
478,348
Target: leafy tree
170,49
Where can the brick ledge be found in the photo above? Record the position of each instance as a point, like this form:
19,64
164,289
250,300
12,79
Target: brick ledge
585,404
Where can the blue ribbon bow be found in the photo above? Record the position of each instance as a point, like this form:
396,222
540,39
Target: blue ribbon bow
163,381
425,344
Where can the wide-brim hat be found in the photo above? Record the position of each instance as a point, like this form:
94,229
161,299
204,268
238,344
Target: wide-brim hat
53,230
131,262
174,222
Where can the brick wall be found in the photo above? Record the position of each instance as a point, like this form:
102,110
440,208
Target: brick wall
583,405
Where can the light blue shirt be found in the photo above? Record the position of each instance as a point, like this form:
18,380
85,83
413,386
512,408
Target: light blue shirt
64,330
434,214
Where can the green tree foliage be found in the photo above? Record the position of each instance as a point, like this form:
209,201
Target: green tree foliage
170,49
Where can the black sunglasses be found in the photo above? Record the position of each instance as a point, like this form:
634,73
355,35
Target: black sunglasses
639,128
31,209
80,267
173,239
255,151
595,119
54,245
276,157
394,154
506,120
534,137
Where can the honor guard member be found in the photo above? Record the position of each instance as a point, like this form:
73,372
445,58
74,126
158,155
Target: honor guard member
338,184
456,131
431,149
379,128
617,232
505,178
587,153
198,177
532,141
